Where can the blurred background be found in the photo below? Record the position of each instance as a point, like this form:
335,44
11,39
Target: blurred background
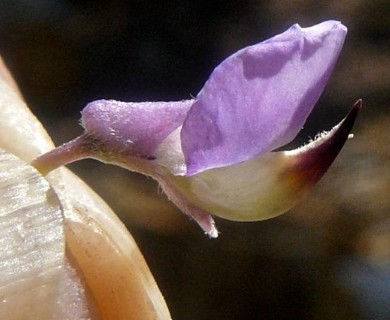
328,258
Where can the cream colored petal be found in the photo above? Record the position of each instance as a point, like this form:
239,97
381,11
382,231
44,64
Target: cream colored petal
252,190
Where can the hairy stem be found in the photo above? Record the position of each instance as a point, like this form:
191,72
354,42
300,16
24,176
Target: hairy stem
67,153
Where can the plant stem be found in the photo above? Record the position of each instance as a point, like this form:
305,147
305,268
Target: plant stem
64,154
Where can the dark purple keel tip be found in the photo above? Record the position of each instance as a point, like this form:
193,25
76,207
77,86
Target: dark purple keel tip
314,162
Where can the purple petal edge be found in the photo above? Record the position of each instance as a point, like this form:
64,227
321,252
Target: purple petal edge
259,98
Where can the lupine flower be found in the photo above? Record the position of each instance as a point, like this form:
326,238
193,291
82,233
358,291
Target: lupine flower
215,154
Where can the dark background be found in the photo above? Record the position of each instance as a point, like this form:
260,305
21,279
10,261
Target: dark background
329,258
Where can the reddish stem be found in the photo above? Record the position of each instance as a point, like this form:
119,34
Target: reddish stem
67,153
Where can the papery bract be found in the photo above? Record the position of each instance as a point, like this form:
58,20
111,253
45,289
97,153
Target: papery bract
117,278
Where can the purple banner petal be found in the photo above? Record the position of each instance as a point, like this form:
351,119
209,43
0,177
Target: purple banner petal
259,98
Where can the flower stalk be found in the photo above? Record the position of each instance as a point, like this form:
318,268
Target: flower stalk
69,152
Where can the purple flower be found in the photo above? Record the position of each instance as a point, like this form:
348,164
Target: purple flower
214,153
